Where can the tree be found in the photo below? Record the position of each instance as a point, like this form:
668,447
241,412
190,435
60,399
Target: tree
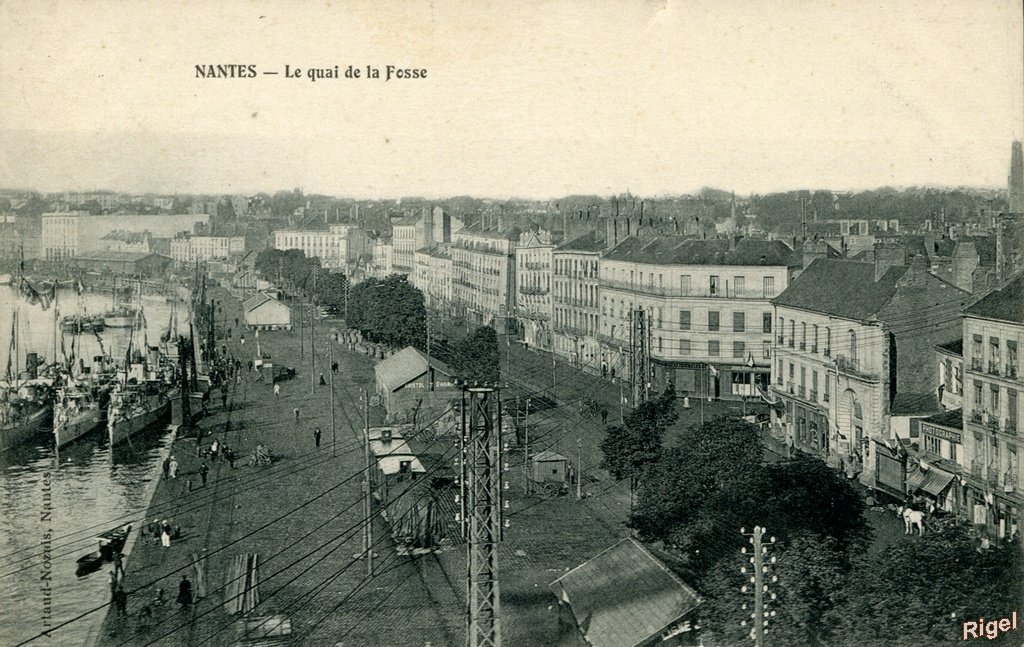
476,358
389,311
331,289
630,448
921,590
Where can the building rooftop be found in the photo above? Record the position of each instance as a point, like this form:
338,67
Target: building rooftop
435,252
1005,303
476,230
682,250
407,221
118,257
954,419
624,596
588,242
841,287
955,347
405,366
911,404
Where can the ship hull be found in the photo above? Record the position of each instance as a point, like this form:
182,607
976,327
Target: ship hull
28,430
118,322
121,428
82,424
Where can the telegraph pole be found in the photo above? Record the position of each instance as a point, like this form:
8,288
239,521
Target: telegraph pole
312,354
758,579
484,472
334,435
367,497
526,443
579,469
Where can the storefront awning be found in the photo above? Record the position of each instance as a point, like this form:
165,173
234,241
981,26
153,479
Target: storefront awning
933,480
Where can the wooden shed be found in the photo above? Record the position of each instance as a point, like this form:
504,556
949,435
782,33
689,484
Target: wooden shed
264,312
549,467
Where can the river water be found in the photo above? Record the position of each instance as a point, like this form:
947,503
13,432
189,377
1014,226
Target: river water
52,504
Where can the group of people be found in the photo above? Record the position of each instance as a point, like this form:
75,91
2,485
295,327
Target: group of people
222,452
163,532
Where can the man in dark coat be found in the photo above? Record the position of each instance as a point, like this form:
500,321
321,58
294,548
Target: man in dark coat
203,471
316,437
184,592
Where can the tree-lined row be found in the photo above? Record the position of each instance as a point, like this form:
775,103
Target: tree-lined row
697,495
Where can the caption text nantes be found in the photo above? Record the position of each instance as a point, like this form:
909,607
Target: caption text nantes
371,72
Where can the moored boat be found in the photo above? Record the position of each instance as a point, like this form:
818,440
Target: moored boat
111,542
121,317
136,406
23,420
77,410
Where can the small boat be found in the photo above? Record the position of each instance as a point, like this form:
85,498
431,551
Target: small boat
77,410
122,317
111,542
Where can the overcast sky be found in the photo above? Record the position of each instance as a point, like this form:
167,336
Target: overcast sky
531,99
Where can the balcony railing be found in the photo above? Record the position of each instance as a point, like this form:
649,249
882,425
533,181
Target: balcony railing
993,368
977,469
976,416
780,340
825,397
1011,370
975,363
571,330
1009,482
993,423
803,346
801,391
1010,425
813,395
853,368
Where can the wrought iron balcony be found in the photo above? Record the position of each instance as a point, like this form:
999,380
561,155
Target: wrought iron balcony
1011,370
852,367
993,368
976,416
975,363
977,469
1010,425
813,395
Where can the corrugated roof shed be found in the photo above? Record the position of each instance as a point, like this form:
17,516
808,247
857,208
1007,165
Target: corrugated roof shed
624,596
1005,303
842,288
405,366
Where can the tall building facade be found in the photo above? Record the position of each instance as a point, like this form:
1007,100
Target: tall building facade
532,307
575,298
1015,183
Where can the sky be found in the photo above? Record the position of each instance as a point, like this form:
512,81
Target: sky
527,99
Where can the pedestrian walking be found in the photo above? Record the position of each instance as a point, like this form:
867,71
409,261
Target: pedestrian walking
604,416
224,398
184,592
119,564
323,382
277,390
167,466
165,537
334,368
223,454
316,437
231,457
296,410
172,468
113,583
203,471
214,450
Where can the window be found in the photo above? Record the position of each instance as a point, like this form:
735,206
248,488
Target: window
1011,409
684,320
766,322
792,372
993,356
803,376
803,335
658,324
684,284
778,373
713,348
977,393
1011,358
712,320
738,349
932,445
661,346
976,352
739,321
994,400
853,348
684,347
952,452
828,342
814,338
828,389
792,332
739,285
766,349
713,285
768,288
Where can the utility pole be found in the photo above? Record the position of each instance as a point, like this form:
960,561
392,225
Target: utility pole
367,497
334,429
300,312
553,380
579,469
483,471
758,578
526,443
312,354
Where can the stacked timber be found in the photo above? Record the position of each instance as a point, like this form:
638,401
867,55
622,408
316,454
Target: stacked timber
242,593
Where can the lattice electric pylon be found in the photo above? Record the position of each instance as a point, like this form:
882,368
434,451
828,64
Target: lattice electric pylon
482,487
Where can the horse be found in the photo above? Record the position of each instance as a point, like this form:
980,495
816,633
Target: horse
911,518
